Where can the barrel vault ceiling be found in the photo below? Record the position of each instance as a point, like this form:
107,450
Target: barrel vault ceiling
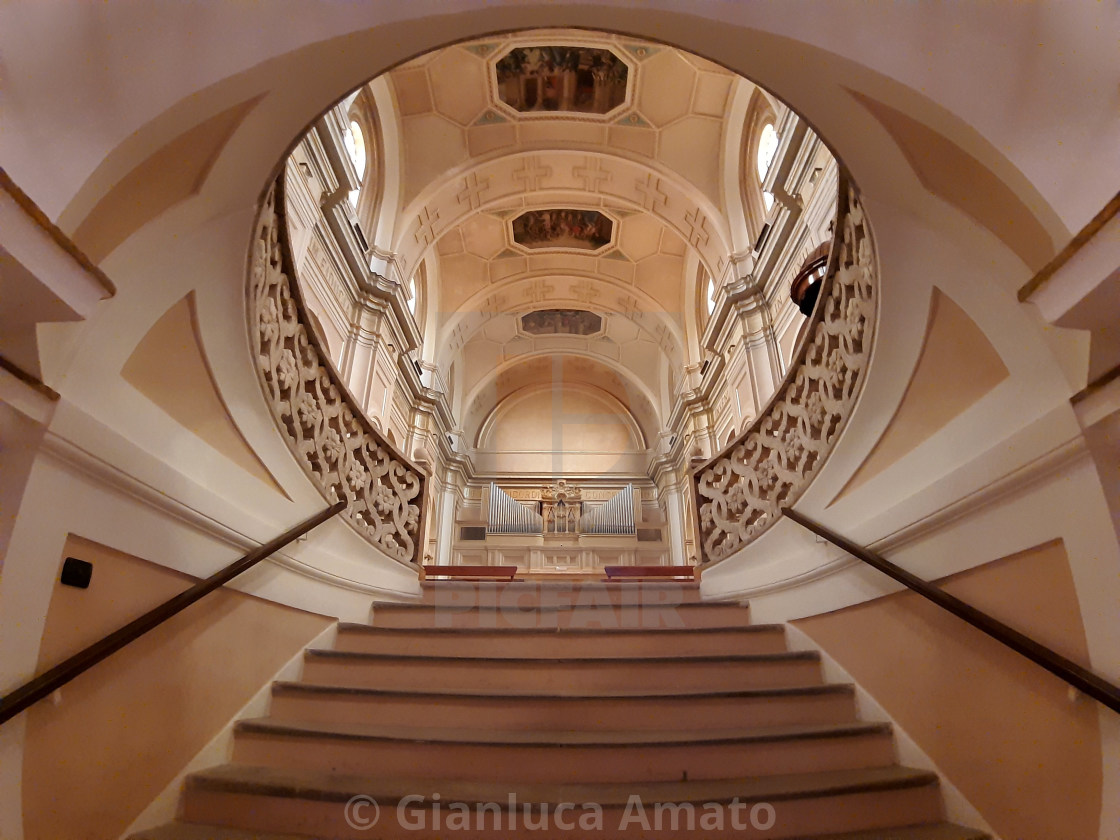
519,194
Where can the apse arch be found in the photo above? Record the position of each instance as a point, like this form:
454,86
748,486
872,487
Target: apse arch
613,408
639,400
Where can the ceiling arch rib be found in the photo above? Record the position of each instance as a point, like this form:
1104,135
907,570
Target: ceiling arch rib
561,88
511,298
542,179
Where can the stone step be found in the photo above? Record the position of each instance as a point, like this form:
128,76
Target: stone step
799,806
712,710
561,676
555,757
929,831
590,616
556,643
557,593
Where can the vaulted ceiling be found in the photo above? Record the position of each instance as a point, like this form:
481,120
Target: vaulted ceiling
524,188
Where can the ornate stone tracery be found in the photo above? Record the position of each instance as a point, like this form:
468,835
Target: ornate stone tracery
341,452
742,490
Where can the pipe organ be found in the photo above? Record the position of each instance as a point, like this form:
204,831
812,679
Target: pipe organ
562,528
615,516
562,512
509,516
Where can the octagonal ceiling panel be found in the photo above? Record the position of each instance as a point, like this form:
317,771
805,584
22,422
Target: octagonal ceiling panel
534,78
484,236
666,90
462,91
561,322
548,228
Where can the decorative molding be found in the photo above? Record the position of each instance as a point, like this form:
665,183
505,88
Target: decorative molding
317,416
1079,241
741,490
35,213
74,456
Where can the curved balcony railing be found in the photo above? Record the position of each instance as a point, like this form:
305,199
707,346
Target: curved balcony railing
741,491
320,420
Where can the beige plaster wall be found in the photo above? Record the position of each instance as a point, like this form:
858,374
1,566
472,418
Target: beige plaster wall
170,368
562,419
125,728
957,366
1000,728
169,176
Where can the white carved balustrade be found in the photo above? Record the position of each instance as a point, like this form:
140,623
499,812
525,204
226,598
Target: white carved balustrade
740,492
326,431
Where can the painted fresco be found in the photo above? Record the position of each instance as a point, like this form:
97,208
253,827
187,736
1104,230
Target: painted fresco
555,78
588,230
561,322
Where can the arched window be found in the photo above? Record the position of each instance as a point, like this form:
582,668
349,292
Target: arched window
356,146
416,291
758,149
767,147
711,295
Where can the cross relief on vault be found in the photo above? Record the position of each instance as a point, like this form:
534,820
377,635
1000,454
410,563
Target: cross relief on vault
652,194
584,291
698,233
531,173
538,290
473,190
593,175
426,219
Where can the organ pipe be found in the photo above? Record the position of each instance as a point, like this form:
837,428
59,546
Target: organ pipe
615,516
509,516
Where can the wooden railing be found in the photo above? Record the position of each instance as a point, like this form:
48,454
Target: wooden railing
1080,678
50,681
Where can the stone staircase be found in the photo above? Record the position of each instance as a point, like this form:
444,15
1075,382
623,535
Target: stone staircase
561,710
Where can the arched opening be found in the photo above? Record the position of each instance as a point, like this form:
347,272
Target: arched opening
973,207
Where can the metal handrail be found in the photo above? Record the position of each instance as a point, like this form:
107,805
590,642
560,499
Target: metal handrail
50,681
1077,676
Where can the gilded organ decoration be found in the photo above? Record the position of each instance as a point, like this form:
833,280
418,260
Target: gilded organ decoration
561,506
343,454
584,80
742,490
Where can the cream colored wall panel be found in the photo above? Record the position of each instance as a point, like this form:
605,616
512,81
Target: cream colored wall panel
482,139
562,132
643,141
671,243
618,269
640,236
414,96
463,275
710,98
459,85
506,267
666,87
483,235
450,243
691,147
660,277
432,146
